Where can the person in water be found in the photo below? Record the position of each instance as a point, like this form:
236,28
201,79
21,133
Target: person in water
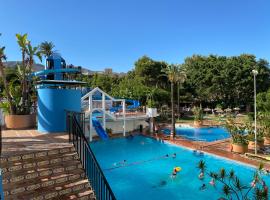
174,173
201,175
203,187
212,182
174,156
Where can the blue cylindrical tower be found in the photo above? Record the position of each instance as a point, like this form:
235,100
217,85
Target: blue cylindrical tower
56,96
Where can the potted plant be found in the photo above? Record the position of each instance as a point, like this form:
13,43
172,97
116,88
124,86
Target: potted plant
198,116
239,137
17,100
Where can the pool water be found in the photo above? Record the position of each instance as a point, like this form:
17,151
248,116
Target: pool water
147,170
207,134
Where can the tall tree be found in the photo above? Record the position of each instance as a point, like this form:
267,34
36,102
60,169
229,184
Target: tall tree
181,77
171,72
3,57
47,48
23,42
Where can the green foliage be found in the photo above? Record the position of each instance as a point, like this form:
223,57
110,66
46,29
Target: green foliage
198,113
225,80
104,82
46,48
263,106
233,188
151,72
237,132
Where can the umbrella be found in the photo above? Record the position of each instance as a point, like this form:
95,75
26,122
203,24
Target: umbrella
207,110
236,108
228,110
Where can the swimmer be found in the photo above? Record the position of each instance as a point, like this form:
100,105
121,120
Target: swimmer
174,156
201,175
174,173
253,183
212,182
201,153
203,187
167,155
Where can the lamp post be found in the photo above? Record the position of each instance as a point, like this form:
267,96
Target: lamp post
255,72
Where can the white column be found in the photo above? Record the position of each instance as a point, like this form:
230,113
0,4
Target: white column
104,111
255,114
124,117
90,117
90,127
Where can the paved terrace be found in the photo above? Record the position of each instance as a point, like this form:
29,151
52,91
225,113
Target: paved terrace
221,148
28,141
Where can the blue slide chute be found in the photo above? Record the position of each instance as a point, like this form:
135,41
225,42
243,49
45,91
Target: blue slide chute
99,129
132,104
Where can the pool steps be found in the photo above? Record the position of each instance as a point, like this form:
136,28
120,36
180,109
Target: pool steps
48,174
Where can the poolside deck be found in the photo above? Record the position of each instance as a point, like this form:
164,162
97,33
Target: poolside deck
28,141
220,148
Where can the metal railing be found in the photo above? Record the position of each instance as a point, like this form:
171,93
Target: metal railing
75,128
0,140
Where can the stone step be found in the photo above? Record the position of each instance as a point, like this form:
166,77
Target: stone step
38,182
38,162
37,154
52,192
34,172
86,194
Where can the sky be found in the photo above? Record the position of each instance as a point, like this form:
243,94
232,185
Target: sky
98,34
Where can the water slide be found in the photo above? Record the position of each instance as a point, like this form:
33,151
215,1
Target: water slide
99,129
133,104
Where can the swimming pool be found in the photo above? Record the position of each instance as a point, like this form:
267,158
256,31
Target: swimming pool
207,134
147,174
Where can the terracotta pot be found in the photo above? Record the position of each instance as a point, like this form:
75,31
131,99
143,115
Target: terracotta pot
251,145
266,141
198,123
20,121
239,148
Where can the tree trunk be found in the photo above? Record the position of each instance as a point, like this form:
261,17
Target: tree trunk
12,108
173,117
178,100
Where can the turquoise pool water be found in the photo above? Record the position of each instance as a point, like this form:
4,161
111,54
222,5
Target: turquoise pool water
207,134
147,174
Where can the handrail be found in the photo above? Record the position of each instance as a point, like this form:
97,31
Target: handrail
0,140
92,169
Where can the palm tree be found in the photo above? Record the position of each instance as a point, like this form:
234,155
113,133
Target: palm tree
3,57
31,53
23,42
46,48
171,72
181,77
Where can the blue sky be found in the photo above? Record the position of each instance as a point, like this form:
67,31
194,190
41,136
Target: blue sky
114,33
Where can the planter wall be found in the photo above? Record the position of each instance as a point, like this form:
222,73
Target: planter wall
198,123
239,148
20,121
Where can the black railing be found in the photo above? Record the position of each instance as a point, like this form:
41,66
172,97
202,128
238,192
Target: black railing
75,128
0,140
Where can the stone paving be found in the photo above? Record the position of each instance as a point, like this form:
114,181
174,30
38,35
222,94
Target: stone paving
25,141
